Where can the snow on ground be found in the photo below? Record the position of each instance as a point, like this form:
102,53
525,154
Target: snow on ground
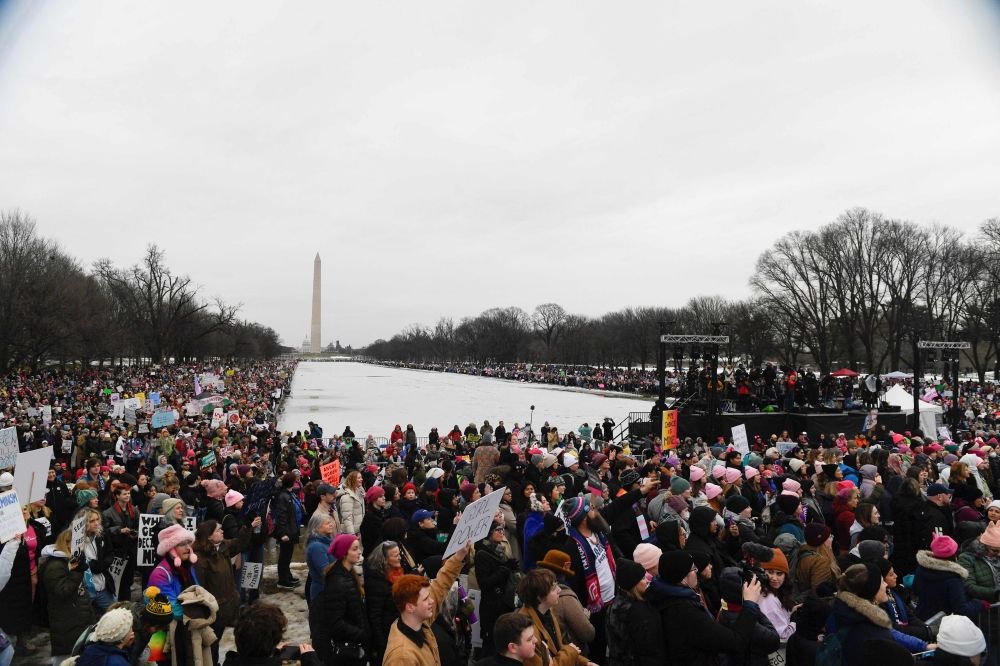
372,399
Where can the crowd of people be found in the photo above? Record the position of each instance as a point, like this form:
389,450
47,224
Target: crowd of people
839,550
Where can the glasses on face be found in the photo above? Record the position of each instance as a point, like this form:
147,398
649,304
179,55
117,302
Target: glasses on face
500,530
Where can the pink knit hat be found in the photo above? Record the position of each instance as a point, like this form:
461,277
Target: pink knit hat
712,491
341,544
232,497
732,474
991,537
697,473
943,547
174,536
719,472
216,489
647,556
751,472
791,485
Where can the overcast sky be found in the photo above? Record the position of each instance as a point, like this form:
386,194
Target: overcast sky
446,157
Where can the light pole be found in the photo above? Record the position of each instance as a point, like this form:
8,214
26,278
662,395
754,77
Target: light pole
531,420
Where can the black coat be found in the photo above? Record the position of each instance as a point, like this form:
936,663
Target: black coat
338,614
283,515
763,641
634,635
15,597
422,544
371,528
692,636
492,572
382,611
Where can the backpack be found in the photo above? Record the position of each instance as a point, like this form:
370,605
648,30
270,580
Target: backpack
831,652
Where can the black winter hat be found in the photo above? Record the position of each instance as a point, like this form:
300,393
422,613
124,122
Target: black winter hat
731,585
674,566
628,574
737,503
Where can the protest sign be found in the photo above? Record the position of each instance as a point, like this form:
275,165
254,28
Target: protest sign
669,428
31,474
130,416
208,460
740,442
146,549
11,517
252,573
871,420
163,418
477,519
217,417
8,447
117,570
154,398
143,428
47,414
79,528
33,413
331,473
256,499
140,398
233,418
944,433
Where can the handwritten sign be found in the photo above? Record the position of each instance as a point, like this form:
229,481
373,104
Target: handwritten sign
252,573
740,442
79,528
117,570
163,418
477,519
146,547
669,428
11,517
8,447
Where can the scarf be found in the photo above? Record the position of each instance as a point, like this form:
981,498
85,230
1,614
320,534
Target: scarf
589,568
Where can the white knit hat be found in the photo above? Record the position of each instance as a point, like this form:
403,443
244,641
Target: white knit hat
114,626
796,464
960,636
6,480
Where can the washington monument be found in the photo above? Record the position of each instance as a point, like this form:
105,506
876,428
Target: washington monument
316,345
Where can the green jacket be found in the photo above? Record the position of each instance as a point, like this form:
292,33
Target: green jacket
980,582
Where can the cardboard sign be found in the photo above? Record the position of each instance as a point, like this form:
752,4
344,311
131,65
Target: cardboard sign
31,474
740,442
8,447
11,517
477,519
252,573
331,473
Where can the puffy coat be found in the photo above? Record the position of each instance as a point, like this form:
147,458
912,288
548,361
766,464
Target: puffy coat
980,582
102,654
351,504
492,571
633,630
382,611
215,574
815,567
317,559
283,513
860,620
940,586
69,603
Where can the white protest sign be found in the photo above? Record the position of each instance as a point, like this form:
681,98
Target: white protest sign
117,570
47,414
252,573
130,415
33,413
740,442
8,447
944,433
79,532
11,517
31,474
146,549
217,416
477,519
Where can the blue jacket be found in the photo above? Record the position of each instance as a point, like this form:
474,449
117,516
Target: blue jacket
861,620
533,524
317,557
940,586
102,654
896,610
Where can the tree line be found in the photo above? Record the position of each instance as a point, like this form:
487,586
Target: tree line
53,310
854,292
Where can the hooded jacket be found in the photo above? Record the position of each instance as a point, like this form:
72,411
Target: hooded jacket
69,604
860,620
940,586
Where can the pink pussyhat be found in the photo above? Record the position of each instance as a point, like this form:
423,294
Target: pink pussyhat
712,491
943,547
697,473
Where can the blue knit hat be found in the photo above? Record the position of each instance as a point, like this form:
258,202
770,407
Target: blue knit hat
575,509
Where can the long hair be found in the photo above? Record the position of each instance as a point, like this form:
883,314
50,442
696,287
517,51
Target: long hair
376,560
85,513
202,536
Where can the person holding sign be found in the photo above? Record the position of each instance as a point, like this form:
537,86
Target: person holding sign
99,556
418,600
69,605
175,572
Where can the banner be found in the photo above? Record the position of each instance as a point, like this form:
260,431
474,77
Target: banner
8,447
252,573
669,434
11,517
740,441
477,519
